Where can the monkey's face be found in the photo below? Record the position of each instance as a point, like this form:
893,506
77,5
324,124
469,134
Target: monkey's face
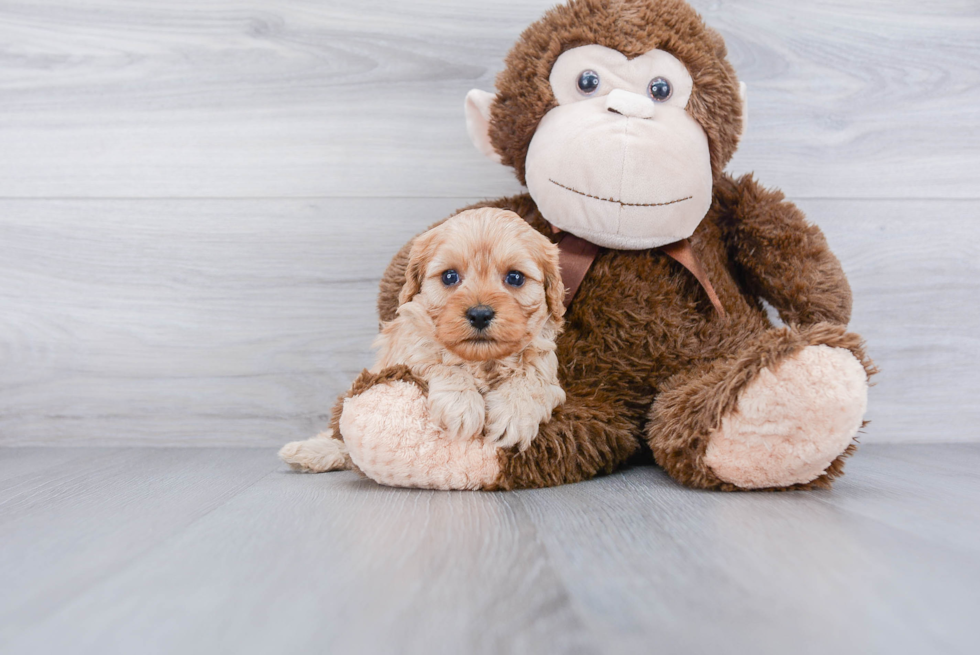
619,161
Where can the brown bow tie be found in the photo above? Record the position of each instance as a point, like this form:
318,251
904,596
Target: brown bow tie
576,256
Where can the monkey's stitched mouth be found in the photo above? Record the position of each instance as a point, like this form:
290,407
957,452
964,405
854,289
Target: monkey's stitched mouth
620,202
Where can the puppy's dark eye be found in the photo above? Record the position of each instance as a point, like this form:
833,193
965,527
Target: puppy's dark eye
450,277
588,82
660,89
515,279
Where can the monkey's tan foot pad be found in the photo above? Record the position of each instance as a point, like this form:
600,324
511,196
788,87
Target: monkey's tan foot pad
792,421
320,454
390,438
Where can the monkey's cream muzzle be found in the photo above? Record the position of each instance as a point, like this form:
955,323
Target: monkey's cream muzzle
616,167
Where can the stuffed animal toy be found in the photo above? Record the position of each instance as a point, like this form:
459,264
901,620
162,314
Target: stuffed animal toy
620,116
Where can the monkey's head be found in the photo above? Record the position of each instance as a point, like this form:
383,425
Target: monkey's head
618,115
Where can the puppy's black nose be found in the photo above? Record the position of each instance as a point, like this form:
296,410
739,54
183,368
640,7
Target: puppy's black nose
479,316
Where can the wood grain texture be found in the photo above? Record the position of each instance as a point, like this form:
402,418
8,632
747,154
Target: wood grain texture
220,322
225,551
225,98
699,569
914,267
105,508
238,322
248,168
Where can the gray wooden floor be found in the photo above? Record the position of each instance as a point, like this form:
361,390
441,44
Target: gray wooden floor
179,550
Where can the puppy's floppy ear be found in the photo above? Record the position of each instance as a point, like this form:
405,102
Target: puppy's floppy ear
554,288
418,261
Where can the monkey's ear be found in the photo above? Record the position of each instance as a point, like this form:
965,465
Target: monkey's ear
478,121
743,93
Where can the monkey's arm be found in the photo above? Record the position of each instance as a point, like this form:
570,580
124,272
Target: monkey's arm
782,257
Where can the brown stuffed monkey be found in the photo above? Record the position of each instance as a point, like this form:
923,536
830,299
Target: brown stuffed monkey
620,116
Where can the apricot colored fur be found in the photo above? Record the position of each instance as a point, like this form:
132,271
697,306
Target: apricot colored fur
498,380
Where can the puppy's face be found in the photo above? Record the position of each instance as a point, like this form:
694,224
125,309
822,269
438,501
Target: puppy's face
489,281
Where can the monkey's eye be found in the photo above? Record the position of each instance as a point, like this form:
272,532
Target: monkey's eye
515,279
450,277
660,89
588,82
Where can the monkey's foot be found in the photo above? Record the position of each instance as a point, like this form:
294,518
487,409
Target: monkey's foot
391,439
317,455
792,421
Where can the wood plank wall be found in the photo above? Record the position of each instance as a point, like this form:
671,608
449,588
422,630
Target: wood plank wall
197,197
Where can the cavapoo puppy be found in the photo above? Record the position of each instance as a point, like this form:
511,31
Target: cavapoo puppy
477,321
478,317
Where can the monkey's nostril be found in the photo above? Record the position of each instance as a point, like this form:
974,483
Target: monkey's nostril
630,105
479,316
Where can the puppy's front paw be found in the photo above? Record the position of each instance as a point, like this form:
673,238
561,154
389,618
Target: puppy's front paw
459,413
506,429
515,413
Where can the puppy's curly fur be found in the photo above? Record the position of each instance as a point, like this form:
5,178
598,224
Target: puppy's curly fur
501,379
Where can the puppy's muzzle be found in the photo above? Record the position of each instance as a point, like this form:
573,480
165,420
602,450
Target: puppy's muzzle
479,316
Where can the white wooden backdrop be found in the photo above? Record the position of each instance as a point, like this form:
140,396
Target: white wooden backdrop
197,197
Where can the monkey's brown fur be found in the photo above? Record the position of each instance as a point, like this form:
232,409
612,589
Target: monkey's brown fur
644,356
